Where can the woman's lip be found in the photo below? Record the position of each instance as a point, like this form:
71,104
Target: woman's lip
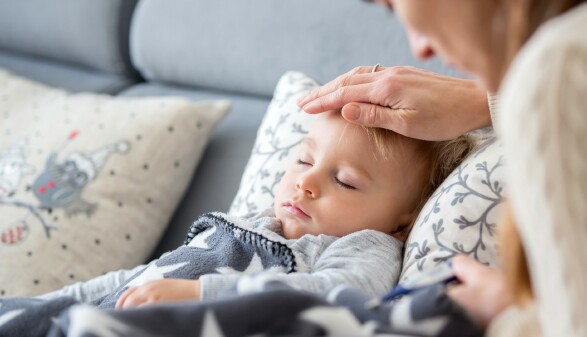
295,210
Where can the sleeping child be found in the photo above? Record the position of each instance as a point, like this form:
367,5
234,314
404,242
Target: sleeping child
341,214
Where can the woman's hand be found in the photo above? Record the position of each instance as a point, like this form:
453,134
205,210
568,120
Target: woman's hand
410,101
482,293
165,290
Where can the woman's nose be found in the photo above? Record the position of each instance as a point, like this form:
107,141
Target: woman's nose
420,46
306,185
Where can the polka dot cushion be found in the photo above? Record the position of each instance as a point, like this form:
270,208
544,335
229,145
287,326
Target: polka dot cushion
88,182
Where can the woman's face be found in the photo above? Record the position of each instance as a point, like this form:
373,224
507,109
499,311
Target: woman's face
461,32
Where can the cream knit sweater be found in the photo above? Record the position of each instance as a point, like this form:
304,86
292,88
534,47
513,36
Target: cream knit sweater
543,123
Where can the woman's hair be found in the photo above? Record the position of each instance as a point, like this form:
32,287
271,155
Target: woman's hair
513,256
525,16
437,158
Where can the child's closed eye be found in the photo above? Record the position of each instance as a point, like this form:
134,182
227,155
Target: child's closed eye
301,162
343,184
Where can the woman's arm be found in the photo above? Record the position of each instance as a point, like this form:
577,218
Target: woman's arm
407,100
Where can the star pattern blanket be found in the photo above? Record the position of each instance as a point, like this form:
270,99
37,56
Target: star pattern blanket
265,308
215,245
259,305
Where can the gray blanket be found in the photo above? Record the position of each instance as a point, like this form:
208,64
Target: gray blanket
266,307
229,247
274,309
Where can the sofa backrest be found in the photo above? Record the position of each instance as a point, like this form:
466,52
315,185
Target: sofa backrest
246,46
91,33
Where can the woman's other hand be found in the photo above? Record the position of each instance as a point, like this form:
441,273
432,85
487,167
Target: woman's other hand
410,101
482,291
166,290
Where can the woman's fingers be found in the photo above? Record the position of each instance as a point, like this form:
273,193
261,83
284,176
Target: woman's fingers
360,75
419,104
339,97
467,268
482,291
373,115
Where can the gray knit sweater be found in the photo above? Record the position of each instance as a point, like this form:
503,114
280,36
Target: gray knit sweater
543,121
367,259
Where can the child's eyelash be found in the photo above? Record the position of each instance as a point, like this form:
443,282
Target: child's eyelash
343,185
336,180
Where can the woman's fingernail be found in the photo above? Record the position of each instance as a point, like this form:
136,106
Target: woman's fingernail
351,112
301,100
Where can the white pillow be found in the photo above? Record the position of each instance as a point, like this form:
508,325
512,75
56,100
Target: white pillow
461,216
278,138
440,230
89,182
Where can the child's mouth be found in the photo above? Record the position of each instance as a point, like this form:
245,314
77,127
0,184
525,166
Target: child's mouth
294,209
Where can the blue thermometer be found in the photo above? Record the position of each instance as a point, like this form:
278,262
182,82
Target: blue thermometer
442,274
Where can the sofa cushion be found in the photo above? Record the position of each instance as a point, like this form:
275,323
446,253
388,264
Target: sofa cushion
88,33
240,46
88,182
216,181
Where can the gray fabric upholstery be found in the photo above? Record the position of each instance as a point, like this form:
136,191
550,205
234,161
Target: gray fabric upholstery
83,32
232,46
246,46
217,178
63,75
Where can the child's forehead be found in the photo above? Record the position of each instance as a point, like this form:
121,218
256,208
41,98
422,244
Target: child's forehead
341,139
331,130
331,121
332,126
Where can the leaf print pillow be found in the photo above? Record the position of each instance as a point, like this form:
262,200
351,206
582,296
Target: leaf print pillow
461,216
278,138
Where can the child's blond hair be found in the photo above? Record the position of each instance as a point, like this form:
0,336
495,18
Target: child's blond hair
439,158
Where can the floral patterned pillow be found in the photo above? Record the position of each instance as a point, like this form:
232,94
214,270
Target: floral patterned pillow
461,216
279,135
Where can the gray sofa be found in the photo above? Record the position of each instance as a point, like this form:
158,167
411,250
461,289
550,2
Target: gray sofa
199,49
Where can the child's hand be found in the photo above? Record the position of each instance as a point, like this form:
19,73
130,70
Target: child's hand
165,290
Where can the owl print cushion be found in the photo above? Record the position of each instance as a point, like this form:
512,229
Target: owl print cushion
88,182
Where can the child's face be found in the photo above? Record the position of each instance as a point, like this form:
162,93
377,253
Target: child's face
338,186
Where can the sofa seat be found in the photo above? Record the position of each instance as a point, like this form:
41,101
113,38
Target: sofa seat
64,75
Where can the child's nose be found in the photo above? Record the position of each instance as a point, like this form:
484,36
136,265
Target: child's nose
306,185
